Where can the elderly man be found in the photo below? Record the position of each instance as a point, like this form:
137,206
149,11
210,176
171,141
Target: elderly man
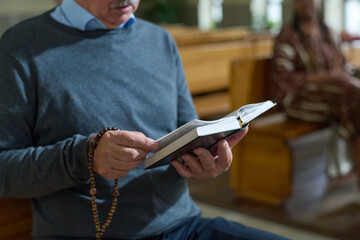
75,70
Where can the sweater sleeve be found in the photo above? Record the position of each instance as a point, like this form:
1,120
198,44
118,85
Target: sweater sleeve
28,170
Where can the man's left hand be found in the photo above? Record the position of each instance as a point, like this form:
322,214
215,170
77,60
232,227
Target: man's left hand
203,164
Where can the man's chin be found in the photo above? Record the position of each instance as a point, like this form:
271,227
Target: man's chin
120,20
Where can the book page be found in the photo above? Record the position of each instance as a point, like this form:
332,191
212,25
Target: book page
251,111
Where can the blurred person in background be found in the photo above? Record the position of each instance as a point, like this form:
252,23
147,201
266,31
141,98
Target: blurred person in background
82,67
310,77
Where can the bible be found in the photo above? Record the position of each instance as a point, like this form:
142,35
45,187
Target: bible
200,133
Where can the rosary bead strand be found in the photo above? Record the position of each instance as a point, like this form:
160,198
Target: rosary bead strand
100,229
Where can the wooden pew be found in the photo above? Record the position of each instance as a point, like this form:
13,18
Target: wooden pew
279,155
207,70
15,219
190,35
207,58
263,45
351,51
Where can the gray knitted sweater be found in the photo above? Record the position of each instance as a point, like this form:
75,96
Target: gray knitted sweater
58,86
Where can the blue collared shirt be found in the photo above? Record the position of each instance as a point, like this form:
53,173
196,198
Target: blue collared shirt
72,14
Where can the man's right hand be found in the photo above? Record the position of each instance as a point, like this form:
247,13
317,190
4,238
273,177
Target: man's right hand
118,152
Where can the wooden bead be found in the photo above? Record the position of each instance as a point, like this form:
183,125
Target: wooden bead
93,144
115,193
93,191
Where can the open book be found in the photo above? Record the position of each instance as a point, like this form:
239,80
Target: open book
199,133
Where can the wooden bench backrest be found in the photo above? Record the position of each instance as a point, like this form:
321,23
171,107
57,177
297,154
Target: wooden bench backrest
207,66
248,81
190,36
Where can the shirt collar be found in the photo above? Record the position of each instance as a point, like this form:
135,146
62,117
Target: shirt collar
82,19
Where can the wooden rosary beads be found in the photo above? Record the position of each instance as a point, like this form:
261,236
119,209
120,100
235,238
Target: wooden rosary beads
100,229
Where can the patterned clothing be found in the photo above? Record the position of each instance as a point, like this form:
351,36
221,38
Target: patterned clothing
336,98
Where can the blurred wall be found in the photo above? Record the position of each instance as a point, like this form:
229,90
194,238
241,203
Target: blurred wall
288,10
13,11
235,12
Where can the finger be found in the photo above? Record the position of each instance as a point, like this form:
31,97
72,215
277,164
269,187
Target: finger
135,140
206,159
193,163
183,171
106,165
225,156
125,158
127,154
112,151
117,159
237,137
109,148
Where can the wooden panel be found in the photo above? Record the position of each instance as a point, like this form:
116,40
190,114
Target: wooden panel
351,52
263,47
262,170
212,105
248,81
207,67
15,219
189,36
